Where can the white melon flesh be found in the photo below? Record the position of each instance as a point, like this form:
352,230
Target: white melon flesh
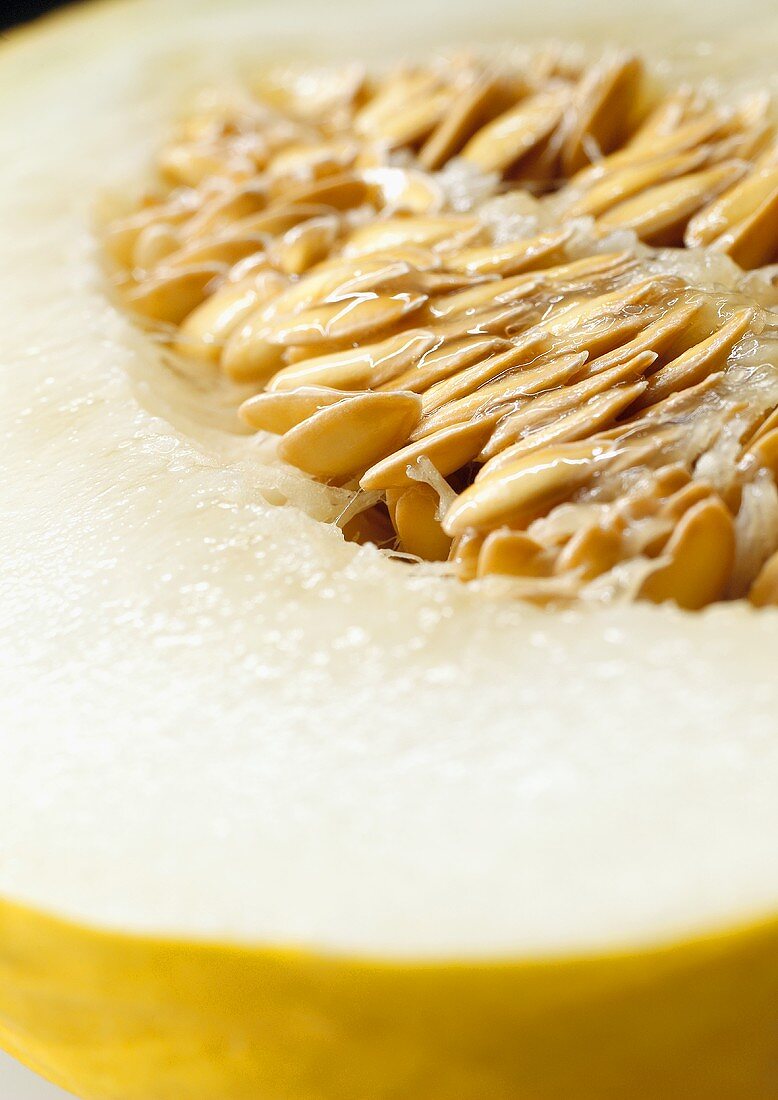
218,719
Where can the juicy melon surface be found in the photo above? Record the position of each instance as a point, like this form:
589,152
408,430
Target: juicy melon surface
220,720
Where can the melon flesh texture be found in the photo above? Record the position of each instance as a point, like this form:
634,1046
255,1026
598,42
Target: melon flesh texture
218,720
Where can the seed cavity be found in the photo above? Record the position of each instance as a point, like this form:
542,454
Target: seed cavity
524,308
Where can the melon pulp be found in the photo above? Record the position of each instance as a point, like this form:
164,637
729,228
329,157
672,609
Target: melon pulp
279,817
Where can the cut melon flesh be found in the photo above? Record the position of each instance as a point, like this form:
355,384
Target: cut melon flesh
221,723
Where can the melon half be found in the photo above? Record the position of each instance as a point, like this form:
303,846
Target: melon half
282,818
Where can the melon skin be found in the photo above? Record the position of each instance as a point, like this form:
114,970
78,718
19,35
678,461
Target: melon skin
415,1005
116,1017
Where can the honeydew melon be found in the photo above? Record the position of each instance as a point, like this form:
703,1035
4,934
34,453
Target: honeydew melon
279,817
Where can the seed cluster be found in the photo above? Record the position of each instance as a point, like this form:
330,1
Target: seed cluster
433,283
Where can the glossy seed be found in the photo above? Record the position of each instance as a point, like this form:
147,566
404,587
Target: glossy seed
226,249
496,398
465,552
121,236
519,491
302,161
512,135
414,121
207,328
511,258
548,407
341,192
604,308
581,423
227,208
659,215
509,377
701,553
697,363
765,451
514,554
747,220
304,245
393,96
279,219
671,327
623,183
449,357
732,207
154,244
337,278
348,319
249,357
669,479
169,298
588,271
680,403
685,498
671,112
357,368
764,590
379,236
763,425
344,439
280,412
448,450
501,320
607,338
601,112
525,353
414,514
691,135
484,295
467,114
591,552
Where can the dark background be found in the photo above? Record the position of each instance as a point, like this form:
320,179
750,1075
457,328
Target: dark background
17,11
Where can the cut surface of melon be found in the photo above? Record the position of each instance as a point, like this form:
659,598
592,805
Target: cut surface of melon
282,818
219,720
